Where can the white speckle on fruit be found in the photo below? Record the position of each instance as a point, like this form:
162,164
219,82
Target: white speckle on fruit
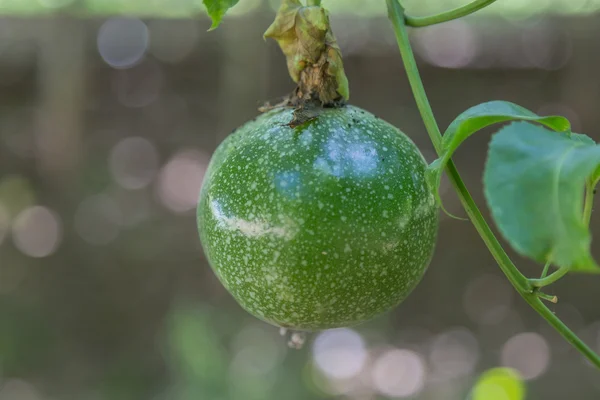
251,228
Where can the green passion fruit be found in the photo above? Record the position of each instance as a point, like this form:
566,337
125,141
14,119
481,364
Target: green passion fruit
324,225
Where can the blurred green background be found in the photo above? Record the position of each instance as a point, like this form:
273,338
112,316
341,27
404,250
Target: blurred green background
109,111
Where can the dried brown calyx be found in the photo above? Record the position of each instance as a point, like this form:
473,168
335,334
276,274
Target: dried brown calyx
314,58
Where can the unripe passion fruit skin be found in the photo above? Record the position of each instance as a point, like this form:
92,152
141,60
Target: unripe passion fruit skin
325,225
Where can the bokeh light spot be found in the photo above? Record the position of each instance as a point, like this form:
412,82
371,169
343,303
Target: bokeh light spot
454,354
340,353
257,353
133,162
527,353
37,231
499,384
451,45
399,373
122,42
180,180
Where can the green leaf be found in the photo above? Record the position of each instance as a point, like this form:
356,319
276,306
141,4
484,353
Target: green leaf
477,118
585,139
216,9
595,177
534,182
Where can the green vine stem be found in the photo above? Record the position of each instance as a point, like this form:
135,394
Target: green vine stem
514,275
547,297
545,270
516,278
550,279
448,15
565,332
313,3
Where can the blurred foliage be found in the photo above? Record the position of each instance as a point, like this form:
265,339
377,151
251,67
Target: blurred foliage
499,384
187,8
16,194
26,338
197,354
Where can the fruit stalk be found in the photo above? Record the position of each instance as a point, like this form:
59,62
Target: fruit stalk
313,56
516,278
